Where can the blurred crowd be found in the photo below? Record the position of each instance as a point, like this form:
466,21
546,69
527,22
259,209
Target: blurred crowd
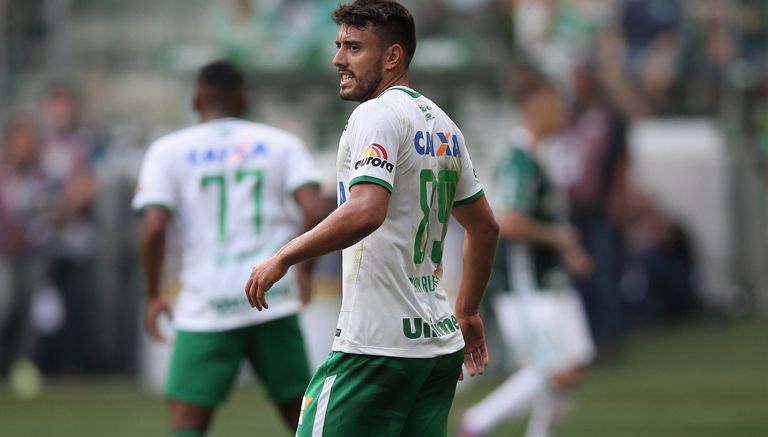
68,260
47,237
655,56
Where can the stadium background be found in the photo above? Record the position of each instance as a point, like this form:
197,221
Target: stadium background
691,76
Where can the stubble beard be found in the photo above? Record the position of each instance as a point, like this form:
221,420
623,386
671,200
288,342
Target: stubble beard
365,85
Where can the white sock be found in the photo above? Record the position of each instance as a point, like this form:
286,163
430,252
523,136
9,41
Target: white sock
510,400
548,411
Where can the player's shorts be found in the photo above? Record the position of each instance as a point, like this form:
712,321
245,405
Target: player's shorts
363,395
204,365
545,329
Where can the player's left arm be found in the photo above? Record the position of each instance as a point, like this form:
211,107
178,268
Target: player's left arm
480,238
362,213
311,205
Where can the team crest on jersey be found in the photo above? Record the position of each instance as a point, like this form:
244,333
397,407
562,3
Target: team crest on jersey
376,156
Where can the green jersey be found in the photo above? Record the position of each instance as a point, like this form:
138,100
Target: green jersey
524,188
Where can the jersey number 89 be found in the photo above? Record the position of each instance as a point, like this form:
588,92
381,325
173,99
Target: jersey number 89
445,186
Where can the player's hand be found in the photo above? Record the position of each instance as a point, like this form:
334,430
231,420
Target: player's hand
263,276
475,349
577,260
155,307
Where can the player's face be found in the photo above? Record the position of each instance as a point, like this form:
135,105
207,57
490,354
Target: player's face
359,59
553,111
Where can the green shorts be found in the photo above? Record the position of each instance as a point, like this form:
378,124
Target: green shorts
204,365
364,395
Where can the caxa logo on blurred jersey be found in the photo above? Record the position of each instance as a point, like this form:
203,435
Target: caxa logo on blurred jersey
437,144
375,155
231,153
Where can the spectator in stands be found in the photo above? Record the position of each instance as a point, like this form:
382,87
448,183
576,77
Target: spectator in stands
660,282
651,34
68,156
597,190
239,30
23,234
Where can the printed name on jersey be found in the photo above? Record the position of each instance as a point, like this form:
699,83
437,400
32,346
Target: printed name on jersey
424,284
375,156
416,328
234,153
447,144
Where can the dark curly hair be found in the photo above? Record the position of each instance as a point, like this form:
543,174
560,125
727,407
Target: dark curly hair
391,21
223,82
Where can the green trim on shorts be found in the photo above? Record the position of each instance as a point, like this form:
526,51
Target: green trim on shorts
354,395
205,365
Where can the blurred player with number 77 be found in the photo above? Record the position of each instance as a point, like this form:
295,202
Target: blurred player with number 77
233,188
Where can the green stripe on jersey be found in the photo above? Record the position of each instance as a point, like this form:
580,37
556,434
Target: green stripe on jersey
372,180
469,199
140,209
305,184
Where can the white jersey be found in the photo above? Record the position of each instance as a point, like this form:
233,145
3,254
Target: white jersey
229,184
393,302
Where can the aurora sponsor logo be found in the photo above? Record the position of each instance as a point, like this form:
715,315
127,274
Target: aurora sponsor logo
417,328
437,144
376,156
305,401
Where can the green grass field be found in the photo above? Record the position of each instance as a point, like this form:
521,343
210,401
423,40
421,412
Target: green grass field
695,379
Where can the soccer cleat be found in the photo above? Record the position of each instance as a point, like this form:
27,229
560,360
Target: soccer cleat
25,379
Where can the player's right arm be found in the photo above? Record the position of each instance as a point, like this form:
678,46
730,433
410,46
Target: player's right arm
516,226
153,237
358,217
363,212
155,198
480,238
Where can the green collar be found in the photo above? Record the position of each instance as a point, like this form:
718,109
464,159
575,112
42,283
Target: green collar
406,90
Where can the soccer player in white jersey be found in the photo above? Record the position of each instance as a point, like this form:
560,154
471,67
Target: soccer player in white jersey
539,313
403,169
232,187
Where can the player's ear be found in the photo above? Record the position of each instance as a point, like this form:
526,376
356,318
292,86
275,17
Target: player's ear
393,56
197,103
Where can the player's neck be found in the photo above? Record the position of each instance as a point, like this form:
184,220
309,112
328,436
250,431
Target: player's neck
215,114
400,79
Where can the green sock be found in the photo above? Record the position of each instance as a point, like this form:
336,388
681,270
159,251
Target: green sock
187,433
